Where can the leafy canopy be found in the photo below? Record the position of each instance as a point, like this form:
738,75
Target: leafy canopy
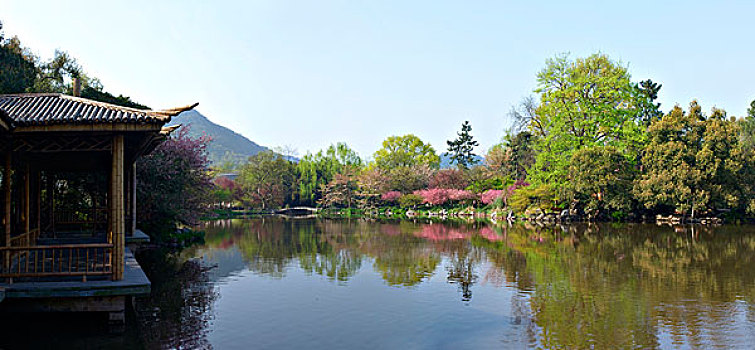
588,102
693,163
267,180
405,151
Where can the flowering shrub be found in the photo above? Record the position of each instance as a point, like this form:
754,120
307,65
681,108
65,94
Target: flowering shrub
391,196
461,195
433,196
490,196
440,196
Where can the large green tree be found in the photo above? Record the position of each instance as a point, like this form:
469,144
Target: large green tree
693,164
461,149
587,102
267,180
405,151
406,162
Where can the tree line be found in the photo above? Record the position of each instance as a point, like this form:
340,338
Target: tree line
590,140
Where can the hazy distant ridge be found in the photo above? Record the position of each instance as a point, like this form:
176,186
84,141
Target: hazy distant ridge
226,144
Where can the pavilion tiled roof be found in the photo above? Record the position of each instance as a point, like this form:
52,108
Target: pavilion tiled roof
59,109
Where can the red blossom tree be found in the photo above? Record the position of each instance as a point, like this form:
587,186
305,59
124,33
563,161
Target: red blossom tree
173,183
226,190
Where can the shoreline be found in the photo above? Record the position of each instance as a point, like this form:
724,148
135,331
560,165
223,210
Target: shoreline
496,215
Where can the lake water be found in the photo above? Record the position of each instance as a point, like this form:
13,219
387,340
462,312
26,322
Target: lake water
354,284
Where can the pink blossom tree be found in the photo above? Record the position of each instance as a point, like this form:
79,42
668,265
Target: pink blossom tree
433,196
390,196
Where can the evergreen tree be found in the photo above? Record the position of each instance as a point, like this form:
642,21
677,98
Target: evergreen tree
649,110
461,149
747,135
693,164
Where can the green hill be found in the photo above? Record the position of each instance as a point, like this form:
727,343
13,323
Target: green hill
226,145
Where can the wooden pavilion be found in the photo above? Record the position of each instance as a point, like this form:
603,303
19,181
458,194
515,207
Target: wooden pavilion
68,198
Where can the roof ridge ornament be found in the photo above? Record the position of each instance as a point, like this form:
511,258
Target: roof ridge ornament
172,112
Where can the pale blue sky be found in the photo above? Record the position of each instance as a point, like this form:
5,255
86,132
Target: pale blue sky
310,73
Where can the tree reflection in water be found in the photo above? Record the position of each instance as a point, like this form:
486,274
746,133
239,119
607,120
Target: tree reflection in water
577,286
178,312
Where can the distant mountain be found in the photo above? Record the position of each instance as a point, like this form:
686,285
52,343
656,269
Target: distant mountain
447,163
226,145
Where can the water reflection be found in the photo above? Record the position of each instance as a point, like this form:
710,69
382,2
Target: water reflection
566,287
178,313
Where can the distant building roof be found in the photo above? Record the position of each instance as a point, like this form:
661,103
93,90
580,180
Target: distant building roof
59,109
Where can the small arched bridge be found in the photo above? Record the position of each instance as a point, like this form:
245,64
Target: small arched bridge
297,211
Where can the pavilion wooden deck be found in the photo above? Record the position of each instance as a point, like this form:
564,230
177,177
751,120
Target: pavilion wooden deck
134,283
95,295
68,202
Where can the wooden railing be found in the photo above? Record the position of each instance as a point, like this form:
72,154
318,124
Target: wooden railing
57,260
84,216
25,239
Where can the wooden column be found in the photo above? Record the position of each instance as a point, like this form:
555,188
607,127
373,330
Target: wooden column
7,219
127,198
27,196
50,183
117,210
7,192
133,199
38,190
